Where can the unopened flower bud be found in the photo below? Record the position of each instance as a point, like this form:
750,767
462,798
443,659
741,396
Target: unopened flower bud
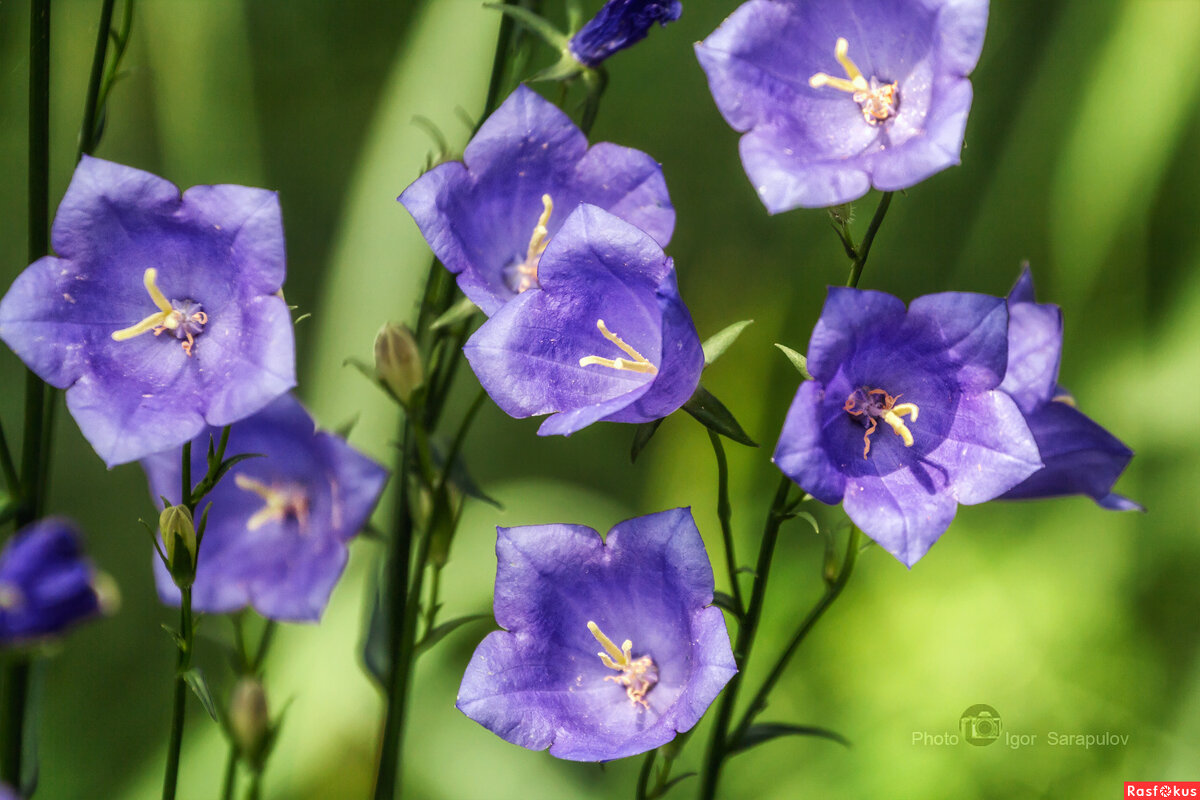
179,542
249,719
397,360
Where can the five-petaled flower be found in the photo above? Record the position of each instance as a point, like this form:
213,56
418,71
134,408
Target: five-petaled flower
1080,456
905,419
277,532
46,585
556,677
489,219
604,336
620,24
837,96
137,260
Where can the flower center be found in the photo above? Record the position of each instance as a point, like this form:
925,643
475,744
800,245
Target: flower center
523,275
873,405
638,675
879,101
639,363
279,502
184,318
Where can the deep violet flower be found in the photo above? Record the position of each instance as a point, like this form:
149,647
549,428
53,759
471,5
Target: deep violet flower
1080,456
489,217
46,585
904,418
556,676
277,532
620,24
837,96
136,260
604,337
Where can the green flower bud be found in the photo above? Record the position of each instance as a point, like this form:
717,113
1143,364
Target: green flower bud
249,720
179,542
397,360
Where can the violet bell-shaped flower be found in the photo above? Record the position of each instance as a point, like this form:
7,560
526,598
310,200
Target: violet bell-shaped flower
279,525
604,336
46,585
1080,456
837,96
489,218
618,25
611,646
137,260
904,418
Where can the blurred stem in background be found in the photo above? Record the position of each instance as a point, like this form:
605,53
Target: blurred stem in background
248,725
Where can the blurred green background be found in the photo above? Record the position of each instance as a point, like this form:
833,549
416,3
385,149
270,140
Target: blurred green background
1080,156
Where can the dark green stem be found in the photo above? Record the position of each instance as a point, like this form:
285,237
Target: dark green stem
832,591
12,481
255,789
87,131
179,706
230,782
718,742
864,248
725,513
643,781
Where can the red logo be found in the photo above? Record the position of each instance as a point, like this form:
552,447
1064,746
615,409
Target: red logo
1162,789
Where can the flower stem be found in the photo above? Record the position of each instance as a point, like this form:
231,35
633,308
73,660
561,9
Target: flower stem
718,744
179,707
88,135
230,782
725,513
864,248
643,781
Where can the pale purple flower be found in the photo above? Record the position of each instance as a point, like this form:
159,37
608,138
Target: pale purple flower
489,217
604,336
136,261
618,25
279,525
46,585
610,645
904,418
1080,456
837,96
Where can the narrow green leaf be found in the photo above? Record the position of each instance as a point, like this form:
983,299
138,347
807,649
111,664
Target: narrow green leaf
536,24
716,345
194,678
463,309
798,361
766,731
343,430
726,602
641,437
712,414
671,783
442,631
376,657
175,637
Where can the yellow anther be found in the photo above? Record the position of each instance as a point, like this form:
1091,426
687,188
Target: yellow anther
277,503
150,281
537,245
892,416
613,657
877,404
638,675
639,363
854,80
877,101
165,317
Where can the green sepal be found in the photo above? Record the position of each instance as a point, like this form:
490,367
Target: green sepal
194,678
712,414
725,602
439,632
641,437
798,361
766,731
716,345
533,23
462,310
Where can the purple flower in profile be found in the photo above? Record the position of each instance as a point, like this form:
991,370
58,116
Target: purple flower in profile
904,418
556,677
135,261
837,96
489,219
1080,456
278,528
46,585
605,336
620,24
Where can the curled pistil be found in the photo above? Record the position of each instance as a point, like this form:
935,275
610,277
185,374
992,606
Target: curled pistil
877,404
527,270
639,362
184,318
878,101
279,503
638,675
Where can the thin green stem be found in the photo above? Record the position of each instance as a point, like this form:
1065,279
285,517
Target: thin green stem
254,791
643,781
230,783
725,513
832,591
864,248
87,131
179,706
12,481
718,742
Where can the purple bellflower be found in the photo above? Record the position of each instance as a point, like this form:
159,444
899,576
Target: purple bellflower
554,677
837,96
605,335
137,260
1080,456
904,418
46,585
489,219
277,533
620,24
